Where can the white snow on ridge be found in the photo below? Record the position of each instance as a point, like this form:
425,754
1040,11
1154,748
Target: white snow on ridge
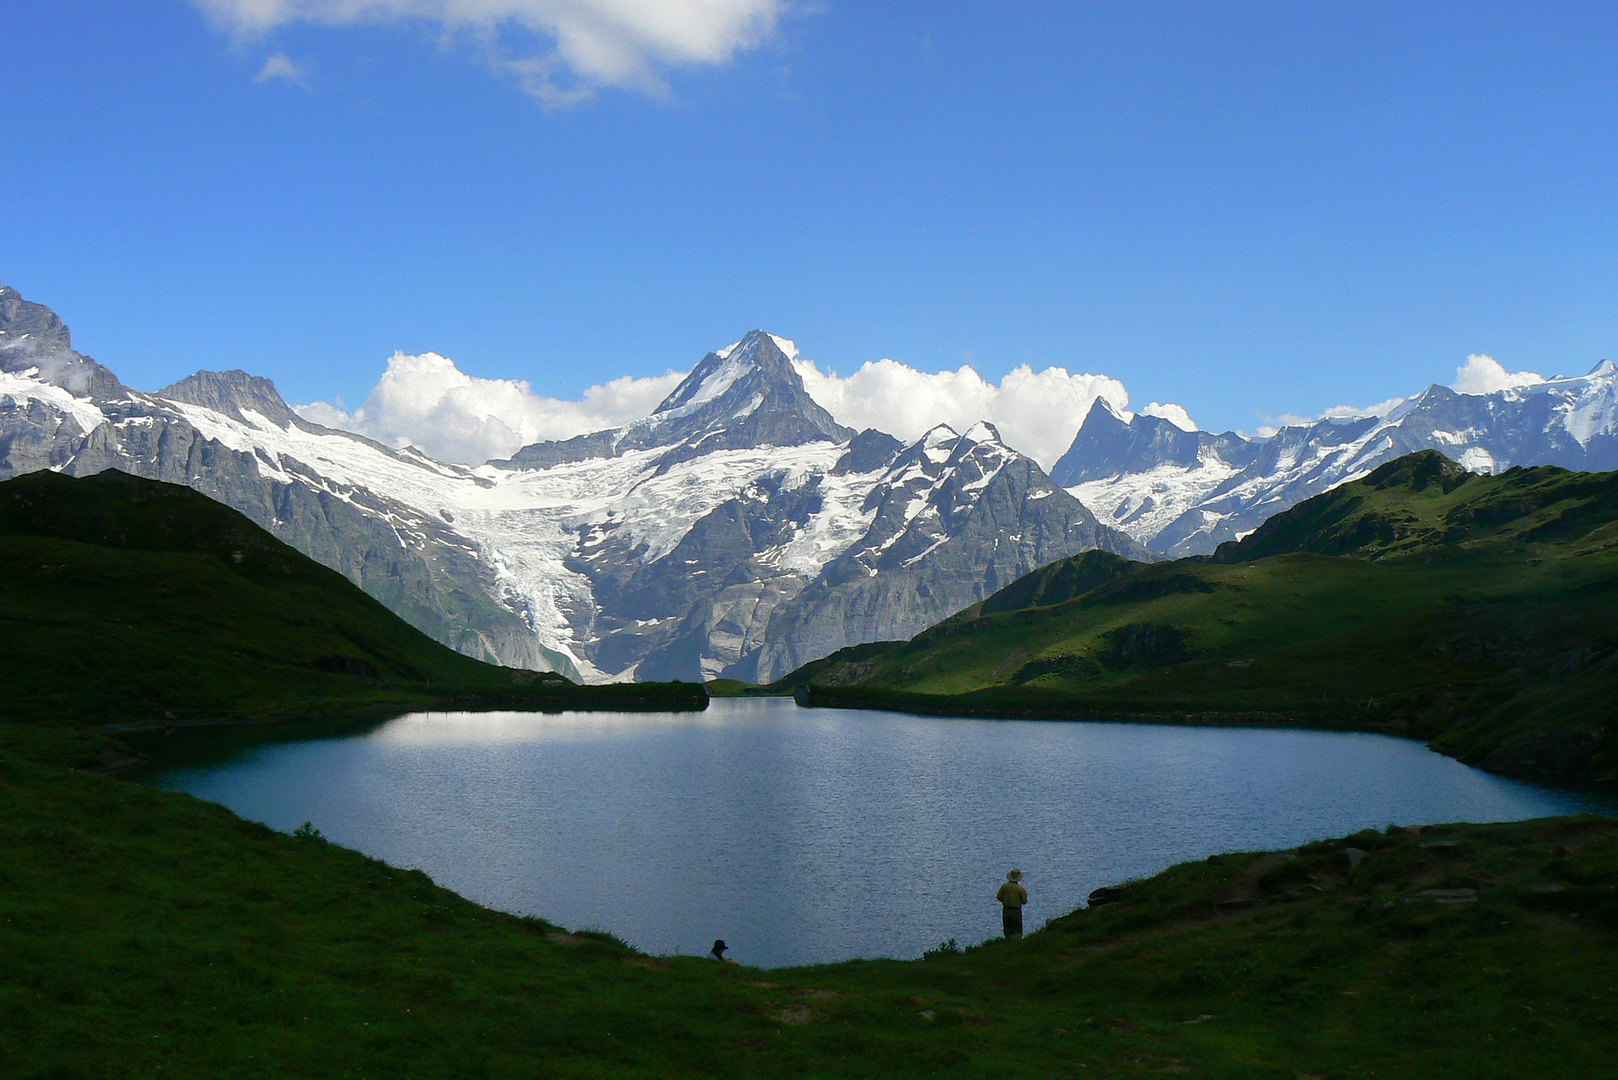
1144,504
22,386
716,382
840,522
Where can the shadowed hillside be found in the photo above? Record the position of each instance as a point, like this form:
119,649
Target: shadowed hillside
128,602
148,933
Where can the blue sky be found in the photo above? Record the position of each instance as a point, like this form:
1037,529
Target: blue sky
1248,209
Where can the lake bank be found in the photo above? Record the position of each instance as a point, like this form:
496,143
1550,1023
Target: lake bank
805,835
149,933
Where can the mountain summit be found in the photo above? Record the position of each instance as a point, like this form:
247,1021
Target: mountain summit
740,398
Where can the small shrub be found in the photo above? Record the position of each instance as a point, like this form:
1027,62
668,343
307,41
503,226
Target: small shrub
308,832
943,948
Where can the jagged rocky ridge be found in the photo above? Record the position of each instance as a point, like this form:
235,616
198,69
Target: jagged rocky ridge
737,530
1186,492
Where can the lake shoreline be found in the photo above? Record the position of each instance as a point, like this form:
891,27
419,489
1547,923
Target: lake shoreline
799,802
990,706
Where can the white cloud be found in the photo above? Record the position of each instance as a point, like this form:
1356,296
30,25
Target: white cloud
1336,412
1037,412
1485,375
1174,414
282,66
592,43
1360,412
427,401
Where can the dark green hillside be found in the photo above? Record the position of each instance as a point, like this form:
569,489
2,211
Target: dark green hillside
149,934
1477,611
128,601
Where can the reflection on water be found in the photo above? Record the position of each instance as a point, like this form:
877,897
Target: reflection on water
809,835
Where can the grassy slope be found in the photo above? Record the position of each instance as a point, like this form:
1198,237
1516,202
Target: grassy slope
127,601
1476,611
150,934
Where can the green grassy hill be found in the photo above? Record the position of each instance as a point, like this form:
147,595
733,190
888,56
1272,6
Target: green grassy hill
150,934
1480,612
130,602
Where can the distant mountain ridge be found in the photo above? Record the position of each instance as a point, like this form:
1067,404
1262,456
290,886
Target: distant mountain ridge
738,529
1185,493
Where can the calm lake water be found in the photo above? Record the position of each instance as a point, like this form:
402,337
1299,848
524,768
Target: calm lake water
810,835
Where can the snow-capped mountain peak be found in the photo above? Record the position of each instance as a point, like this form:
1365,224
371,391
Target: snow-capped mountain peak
983,432
787,346
718,371
750,397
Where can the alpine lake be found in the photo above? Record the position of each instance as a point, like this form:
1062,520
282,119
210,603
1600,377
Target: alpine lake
803,835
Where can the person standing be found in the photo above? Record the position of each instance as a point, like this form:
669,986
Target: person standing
1012,897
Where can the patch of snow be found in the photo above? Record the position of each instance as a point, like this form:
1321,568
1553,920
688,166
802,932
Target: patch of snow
934,546
837,526
715,383
24,387
1144,504
981,432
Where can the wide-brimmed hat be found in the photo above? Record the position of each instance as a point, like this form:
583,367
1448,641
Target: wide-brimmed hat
1014,875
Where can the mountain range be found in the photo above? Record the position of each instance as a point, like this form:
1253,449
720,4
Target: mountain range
1186,492
737,530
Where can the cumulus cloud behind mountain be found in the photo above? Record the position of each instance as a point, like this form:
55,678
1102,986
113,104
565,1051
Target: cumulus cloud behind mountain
427,401
1482,374
1037,412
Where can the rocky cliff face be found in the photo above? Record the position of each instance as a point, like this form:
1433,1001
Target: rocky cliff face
1185,493
953,519
738,529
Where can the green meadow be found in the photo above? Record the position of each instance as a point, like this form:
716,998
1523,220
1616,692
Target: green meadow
151,934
